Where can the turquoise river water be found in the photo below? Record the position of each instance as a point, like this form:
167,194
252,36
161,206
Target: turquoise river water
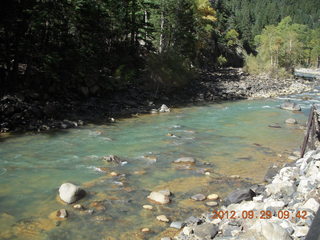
229,138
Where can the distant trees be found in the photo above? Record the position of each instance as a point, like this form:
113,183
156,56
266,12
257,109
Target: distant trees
281,48
249,17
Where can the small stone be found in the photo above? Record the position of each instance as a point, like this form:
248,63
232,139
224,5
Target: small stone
198,197
165,238
177,225
145,230
62,213
234,176
159,197
162,218
114,174
78,206
148,207
211,204
207,173
291,121
188,160
213,196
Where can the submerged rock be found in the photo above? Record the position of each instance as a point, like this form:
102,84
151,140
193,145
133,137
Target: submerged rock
159,197
290,106
291,121
162,218
112,158
189,160
70,193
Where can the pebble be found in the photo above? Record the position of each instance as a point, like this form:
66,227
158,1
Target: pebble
198,197
145,230
62,213
78,206
148,207
211,204
165,238
114,174
213,196
162,218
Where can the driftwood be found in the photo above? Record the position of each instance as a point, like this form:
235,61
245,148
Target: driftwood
312,131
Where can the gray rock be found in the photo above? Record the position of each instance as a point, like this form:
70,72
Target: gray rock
205,231
271,231
198,197
290,106
240,195
177,225
271,172
70,193
192,220
185,160
165,238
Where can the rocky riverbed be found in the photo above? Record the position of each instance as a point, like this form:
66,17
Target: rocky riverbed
282,209
27,111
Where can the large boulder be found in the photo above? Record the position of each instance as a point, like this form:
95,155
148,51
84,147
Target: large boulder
240,195
70,193
291,106
271,231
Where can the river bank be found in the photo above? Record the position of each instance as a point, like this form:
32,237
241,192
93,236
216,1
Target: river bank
284,209
27,112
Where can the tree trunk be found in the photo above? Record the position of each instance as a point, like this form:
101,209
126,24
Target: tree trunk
161,33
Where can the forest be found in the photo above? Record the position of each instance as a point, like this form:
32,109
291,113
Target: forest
92,47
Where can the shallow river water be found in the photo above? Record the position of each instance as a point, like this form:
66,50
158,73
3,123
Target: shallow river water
229,138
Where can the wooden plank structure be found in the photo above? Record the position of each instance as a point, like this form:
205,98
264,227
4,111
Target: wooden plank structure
312,133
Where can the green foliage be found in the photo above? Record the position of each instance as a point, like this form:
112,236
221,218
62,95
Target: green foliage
283,47
168,71
221,60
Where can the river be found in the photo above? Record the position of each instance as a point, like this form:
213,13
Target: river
228,138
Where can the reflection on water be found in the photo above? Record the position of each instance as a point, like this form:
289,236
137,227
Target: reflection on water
226,139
